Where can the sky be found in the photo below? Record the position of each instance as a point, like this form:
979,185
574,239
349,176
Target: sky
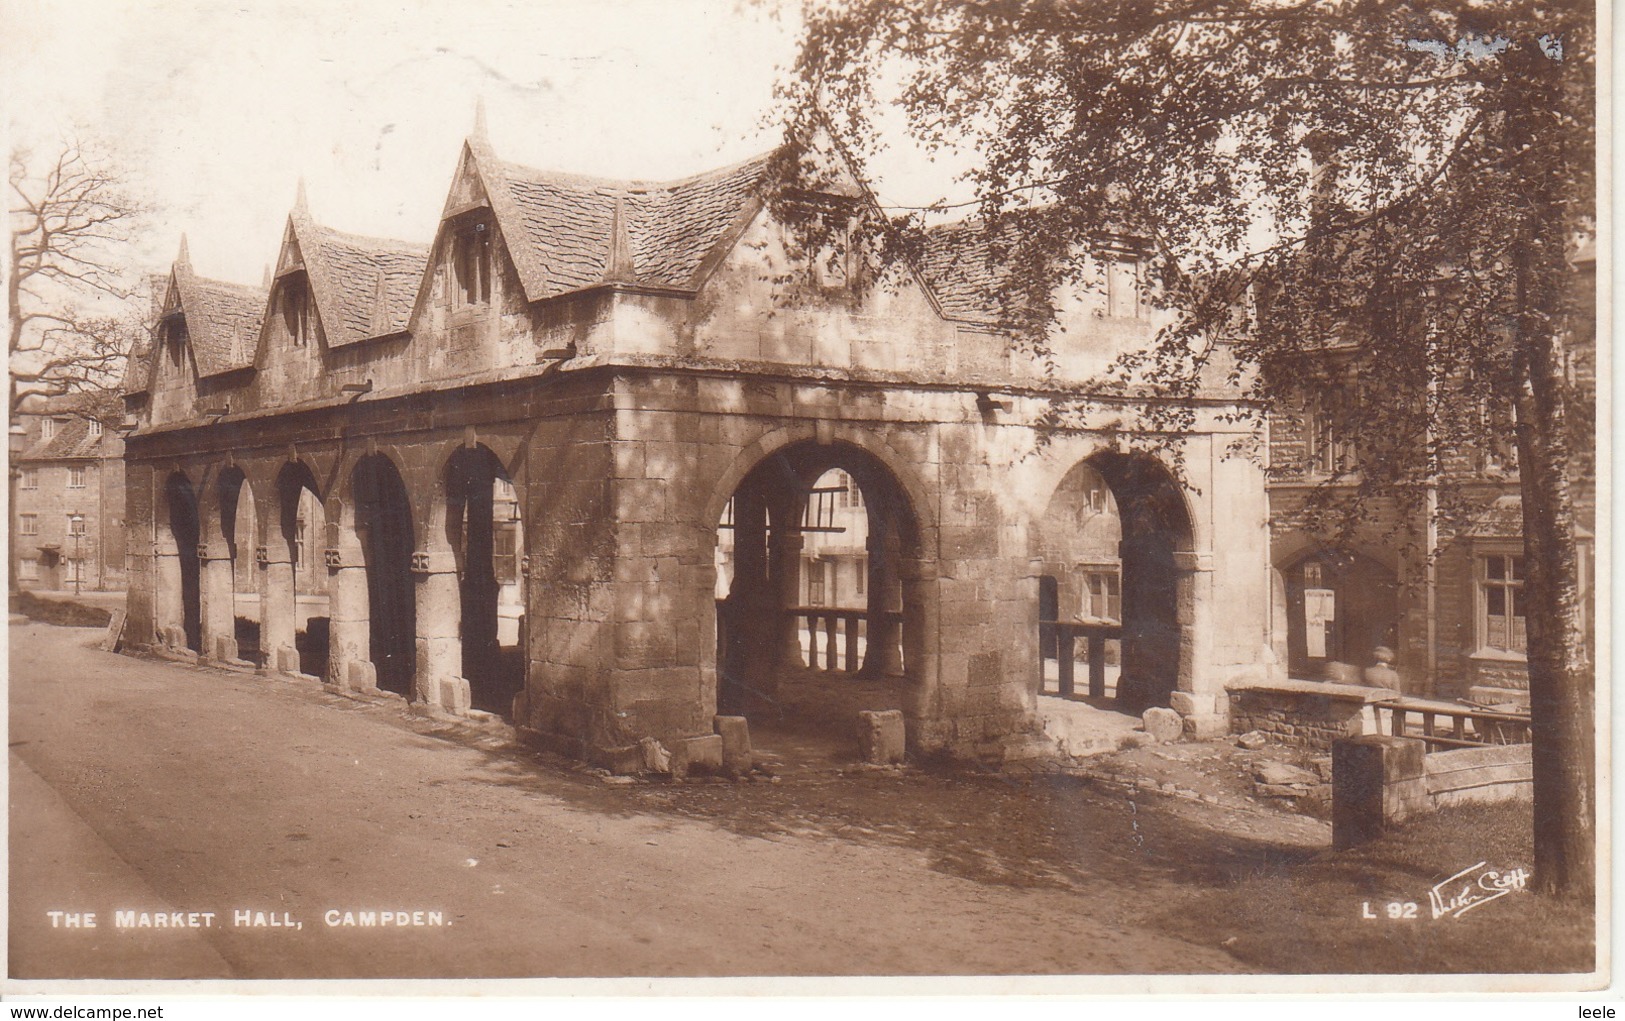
216,110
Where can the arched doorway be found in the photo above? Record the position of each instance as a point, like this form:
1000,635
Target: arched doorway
1341,605
1110,537
235,500
816,609
483,528
383,524
185,529
301,530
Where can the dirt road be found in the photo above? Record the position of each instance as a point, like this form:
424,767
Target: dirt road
143,786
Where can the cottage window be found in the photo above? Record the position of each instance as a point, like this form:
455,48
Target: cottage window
1501,625
1330,446
1125,289
76,571
76,524
76,477
295,300
47,428
95,427
28,478
471,266
28,524
1102,594
28,570
175,338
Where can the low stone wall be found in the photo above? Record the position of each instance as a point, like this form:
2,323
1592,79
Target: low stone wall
836,698
1480,775
1305,714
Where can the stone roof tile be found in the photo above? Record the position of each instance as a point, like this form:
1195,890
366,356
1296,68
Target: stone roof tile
566,224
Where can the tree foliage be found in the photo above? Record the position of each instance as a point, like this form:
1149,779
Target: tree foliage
72,323
1329,191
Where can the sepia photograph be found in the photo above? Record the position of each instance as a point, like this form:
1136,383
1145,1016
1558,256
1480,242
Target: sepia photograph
1040,496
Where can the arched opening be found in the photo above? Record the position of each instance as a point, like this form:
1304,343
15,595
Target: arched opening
484,530
817,602
1110,538
383,524
1080,614
1340,607
239,529
184,526
302,526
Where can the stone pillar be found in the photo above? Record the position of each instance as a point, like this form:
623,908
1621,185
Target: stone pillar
438,678
1200,699
1377,783
168,599
217,596
785,556
278,624
349,634
884,656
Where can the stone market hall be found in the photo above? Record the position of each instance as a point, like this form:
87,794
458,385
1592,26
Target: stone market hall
613,458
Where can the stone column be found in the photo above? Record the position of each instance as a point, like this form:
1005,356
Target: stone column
1199,698
438,679
168,600
216,593
885,653
278,624
785,557
349,649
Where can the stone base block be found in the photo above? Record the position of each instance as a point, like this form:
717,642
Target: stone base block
225,648
1377,783
623,761
735,734
1206,728
881,736
360,676
455,696
285,659
179,654
697,756
1164,725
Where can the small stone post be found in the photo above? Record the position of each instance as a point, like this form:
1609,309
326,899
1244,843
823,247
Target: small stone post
1377,783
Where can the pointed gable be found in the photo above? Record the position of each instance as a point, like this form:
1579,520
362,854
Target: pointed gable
362,287
222,319
566,232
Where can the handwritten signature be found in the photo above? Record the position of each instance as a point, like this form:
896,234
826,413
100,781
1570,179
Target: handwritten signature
1474,886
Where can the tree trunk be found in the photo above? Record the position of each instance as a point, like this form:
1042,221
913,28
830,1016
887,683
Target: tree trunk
1561,678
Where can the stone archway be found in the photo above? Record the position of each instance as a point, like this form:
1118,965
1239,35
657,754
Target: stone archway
383,527
792,645
1121,522
179,614
1341,605
482,526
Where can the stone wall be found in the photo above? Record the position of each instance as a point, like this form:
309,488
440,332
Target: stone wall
1304,713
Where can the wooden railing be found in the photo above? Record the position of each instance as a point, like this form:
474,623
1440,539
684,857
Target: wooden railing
835,638
1446,726
1061,636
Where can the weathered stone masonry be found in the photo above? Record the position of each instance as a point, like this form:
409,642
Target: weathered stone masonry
631,361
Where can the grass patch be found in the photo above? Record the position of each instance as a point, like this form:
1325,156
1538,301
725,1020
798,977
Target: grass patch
63,613
1309,917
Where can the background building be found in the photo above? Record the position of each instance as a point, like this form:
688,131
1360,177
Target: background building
70,494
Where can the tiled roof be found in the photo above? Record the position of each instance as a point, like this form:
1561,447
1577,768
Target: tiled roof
364,287
72,438
955,264
222,321
562,230
138,370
